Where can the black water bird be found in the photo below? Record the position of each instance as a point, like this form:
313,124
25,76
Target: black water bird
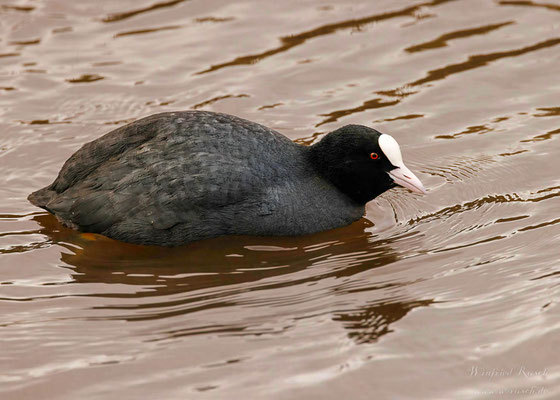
178,177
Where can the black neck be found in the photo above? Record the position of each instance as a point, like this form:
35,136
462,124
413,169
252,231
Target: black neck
337,171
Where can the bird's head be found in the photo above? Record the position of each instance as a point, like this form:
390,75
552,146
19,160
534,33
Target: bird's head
362,162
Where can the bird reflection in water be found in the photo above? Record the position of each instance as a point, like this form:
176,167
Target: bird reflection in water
204,275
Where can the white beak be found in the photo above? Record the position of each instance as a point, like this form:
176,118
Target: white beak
401,174
404,177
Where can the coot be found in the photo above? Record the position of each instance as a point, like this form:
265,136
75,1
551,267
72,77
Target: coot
177,177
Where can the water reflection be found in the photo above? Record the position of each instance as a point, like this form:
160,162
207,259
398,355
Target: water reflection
128,14
147,30
442,40
210,274
369,323
216,262
291,41
473,62
526,3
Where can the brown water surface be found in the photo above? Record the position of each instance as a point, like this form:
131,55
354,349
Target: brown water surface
451,295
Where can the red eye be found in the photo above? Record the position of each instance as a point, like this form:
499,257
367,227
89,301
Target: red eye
374,156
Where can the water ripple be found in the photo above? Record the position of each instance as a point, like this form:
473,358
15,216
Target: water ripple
291,41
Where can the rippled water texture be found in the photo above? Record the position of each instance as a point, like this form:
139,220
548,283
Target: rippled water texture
451,295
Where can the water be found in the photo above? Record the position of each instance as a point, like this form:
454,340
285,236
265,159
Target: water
451,295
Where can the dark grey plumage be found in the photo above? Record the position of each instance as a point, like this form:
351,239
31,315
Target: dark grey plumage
178,177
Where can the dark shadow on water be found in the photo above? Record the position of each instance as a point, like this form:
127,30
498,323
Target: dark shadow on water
211,263
369,323
206,275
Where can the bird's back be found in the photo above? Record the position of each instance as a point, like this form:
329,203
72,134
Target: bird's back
172,178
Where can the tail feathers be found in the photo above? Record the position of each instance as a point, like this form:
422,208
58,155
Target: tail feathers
47,199
42,197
